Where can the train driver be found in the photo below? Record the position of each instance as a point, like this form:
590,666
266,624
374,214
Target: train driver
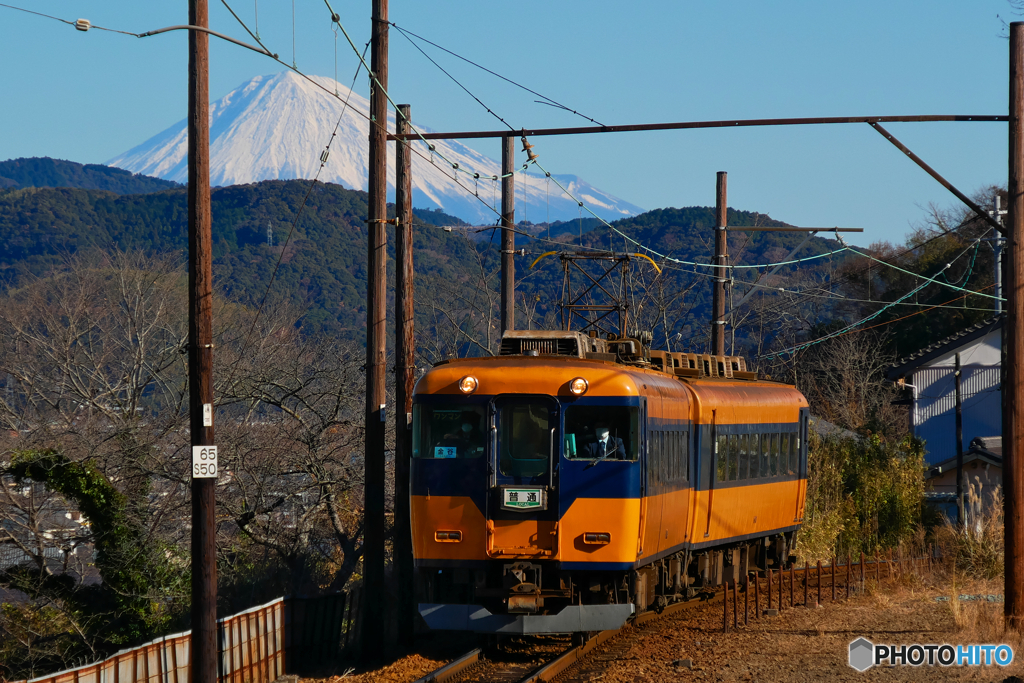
606,446
466,437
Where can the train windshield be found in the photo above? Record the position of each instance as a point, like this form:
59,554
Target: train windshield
601,432
448,431
525,439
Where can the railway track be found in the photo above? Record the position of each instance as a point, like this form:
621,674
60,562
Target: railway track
523,667
578,664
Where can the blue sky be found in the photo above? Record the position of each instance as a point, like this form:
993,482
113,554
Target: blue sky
89,96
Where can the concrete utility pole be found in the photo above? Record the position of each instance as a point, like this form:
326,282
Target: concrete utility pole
376,340
959,445
997,251
1013,346
721,259
203,661
508,238
405,379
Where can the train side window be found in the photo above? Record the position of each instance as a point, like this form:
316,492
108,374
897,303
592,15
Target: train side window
794,464
734,454
744,456
753,455
721,458
666,443
660,462
666,456
787,465
686,456
774,454
763,456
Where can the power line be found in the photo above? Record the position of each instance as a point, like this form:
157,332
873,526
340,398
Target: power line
77,24
799,347
457,82
548,101
923,277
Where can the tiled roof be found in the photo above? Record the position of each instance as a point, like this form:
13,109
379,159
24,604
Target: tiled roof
936,349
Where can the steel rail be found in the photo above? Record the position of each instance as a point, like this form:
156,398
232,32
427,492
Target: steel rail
684,125
453,668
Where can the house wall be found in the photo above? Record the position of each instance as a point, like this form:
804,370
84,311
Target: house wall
934,416
988,475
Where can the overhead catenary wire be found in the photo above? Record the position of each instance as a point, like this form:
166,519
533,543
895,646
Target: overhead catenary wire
457,82
547,100
799,347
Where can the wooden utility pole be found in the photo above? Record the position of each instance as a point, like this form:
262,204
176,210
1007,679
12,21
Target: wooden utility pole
405,378
721,259
959,445
1013,346
376,340
508,238
203,659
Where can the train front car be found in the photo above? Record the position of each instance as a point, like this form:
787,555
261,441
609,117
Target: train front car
525,470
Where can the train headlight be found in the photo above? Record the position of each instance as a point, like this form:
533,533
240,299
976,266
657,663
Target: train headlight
448,536
578,386
597,538
468,384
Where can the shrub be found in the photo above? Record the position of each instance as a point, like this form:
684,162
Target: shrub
863,494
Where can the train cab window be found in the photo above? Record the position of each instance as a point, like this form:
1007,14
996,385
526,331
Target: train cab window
448,431
585,425
525,439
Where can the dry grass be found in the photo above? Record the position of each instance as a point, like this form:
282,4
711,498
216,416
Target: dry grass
977,547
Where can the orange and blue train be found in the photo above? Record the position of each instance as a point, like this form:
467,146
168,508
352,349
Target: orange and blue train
523,521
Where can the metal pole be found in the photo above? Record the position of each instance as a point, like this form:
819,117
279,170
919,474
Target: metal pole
746,599
1013,345
376,340
757,596
508,238
200,350
405,378
959,444
721,258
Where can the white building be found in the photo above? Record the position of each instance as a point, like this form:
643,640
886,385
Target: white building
929,379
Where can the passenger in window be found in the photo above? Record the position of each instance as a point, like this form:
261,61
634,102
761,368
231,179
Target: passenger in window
606,446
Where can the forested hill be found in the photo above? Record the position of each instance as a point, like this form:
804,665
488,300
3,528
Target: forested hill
324,271
46,172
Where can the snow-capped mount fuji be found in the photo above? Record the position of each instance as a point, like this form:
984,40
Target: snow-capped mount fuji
275,127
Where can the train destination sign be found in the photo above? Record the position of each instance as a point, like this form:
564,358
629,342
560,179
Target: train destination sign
523,499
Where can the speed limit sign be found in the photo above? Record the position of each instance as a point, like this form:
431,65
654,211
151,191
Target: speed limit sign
204,462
